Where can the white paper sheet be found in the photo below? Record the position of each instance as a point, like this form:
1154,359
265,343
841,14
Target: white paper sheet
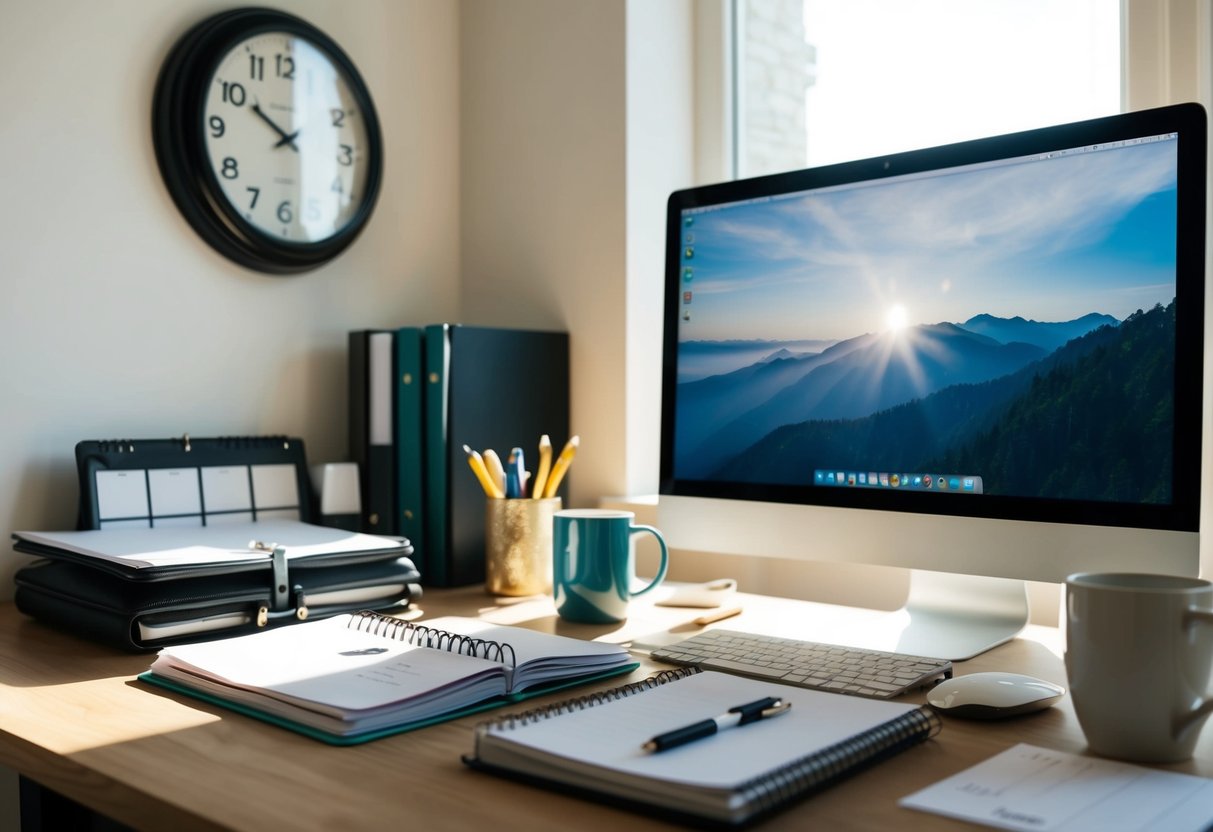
1031,788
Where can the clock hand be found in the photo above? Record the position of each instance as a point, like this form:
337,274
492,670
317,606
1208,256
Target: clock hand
288,139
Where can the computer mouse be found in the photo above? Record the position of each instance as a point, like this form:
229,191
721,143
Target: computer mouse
993,695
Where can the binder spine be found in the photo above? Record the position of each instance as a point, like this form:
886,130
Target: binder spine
580,703
421,636
802,777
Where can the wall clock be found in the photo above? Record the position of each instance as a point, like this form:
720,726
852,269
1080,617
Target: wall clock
267,139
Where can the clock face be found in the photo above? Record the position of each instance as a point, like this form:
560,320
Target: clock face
267,139
286,138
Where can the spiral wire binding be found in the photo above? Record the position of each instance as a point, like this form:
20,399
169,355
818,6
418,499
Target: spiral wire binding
800,777
421,636
580,703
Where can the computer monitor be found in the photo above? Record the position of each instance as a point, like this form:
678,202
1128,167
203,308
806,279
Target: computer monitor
983,359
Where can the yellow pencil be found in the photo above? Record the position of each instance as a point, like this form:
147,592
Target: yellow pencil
476,463
545,466
492,464
561,467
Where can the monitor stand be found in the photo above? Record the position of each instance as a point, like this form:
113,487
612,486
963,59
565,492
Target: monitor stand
956,617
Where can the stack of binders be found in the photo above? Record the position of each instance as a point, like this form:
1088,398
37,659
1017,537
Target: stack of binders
438,388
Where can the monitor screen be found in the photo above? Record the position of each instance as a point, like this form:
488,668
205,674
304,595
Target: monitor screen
1006,328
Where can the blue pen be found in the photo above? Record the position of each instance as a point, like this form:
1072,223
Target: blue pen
515,474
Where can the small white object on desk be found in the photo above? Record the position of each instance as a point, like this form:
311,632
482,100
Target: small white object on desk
993,695
706,595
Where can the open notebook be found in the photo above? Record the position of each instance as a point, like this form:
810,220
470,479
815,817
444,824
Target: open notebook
354,678
593,746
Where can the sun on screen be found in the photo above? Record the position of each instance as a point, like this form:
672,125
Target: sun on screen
896,318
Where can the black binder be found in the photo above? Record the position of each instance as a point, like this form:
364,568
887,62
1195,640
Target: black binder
372,386
219,493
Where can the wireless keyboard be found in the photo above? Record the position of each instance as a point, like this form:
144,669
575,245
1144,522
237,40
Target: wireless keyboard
807,664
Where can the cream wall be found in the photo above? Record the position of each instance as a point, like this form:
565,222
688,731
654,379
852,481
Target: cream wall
117,320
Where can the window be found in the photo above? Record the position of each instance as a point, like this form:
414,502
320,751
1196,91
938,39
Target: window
822,81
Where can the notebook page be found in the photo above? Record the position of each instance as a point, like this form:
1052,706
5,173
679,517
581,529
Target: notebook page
610,735
326,663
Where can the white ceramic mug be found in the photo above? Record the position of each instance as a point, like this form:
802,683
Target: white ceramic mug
1138,654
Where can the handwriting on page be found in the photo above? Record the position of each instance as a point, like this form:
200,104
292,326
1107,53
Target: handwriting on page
1032,788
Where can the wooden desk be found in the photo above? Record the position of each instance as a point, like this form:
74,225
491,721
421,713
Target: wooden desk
73,718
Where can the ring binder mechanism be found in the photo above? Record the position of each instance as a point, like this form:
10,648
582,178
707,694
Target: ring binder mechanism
279,582
590,745
163,552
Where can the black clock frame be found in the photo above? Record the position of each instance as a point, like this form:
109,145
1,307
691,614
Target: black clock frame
178,135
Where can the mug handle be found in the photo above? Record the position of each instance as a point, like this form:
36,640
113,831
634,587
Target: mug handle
1194,615
665,557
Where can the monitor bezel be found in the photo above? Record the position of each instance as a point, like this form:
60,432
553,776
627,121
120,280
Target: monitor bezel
1188,121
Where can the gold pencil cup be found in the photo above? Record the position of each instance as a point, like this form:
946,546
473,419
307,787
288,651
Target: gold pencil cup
518,545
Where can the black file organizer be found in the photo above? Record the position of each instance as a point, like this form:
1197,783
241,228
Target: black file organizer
202,482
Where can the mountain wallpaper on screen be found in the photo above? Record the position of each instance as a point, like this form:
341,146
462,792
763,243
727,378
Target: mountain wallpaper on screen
1023,404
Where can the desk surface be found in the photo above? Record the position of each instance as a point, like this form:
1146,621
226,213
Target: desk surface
75,720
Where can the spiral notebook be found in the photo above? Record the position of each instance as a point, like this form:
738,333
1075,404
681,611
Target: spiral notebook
354,678
592,745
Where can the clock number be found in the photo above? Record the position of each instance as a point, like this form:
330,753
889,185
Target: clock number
256,68
229,168
217,127
256,192
284,212
338,187
338,118
285,66
346,156
313,209
233,93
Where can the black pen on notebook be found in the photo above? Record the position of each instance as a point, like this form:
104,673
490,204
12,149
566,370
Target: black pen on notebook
734,718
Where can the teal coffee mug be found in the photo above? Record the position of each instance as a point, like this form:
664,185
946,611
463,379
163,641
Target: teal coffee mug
593,564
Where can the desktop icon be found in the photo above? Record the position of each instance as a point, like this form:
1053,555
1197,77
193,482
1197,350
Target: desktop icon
872,478
686,315
819,477
686,297
895,480
954,483
690,238
842,477
850,479
688,252
969,484
688,274
688,221
884,479
863,478
927,481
